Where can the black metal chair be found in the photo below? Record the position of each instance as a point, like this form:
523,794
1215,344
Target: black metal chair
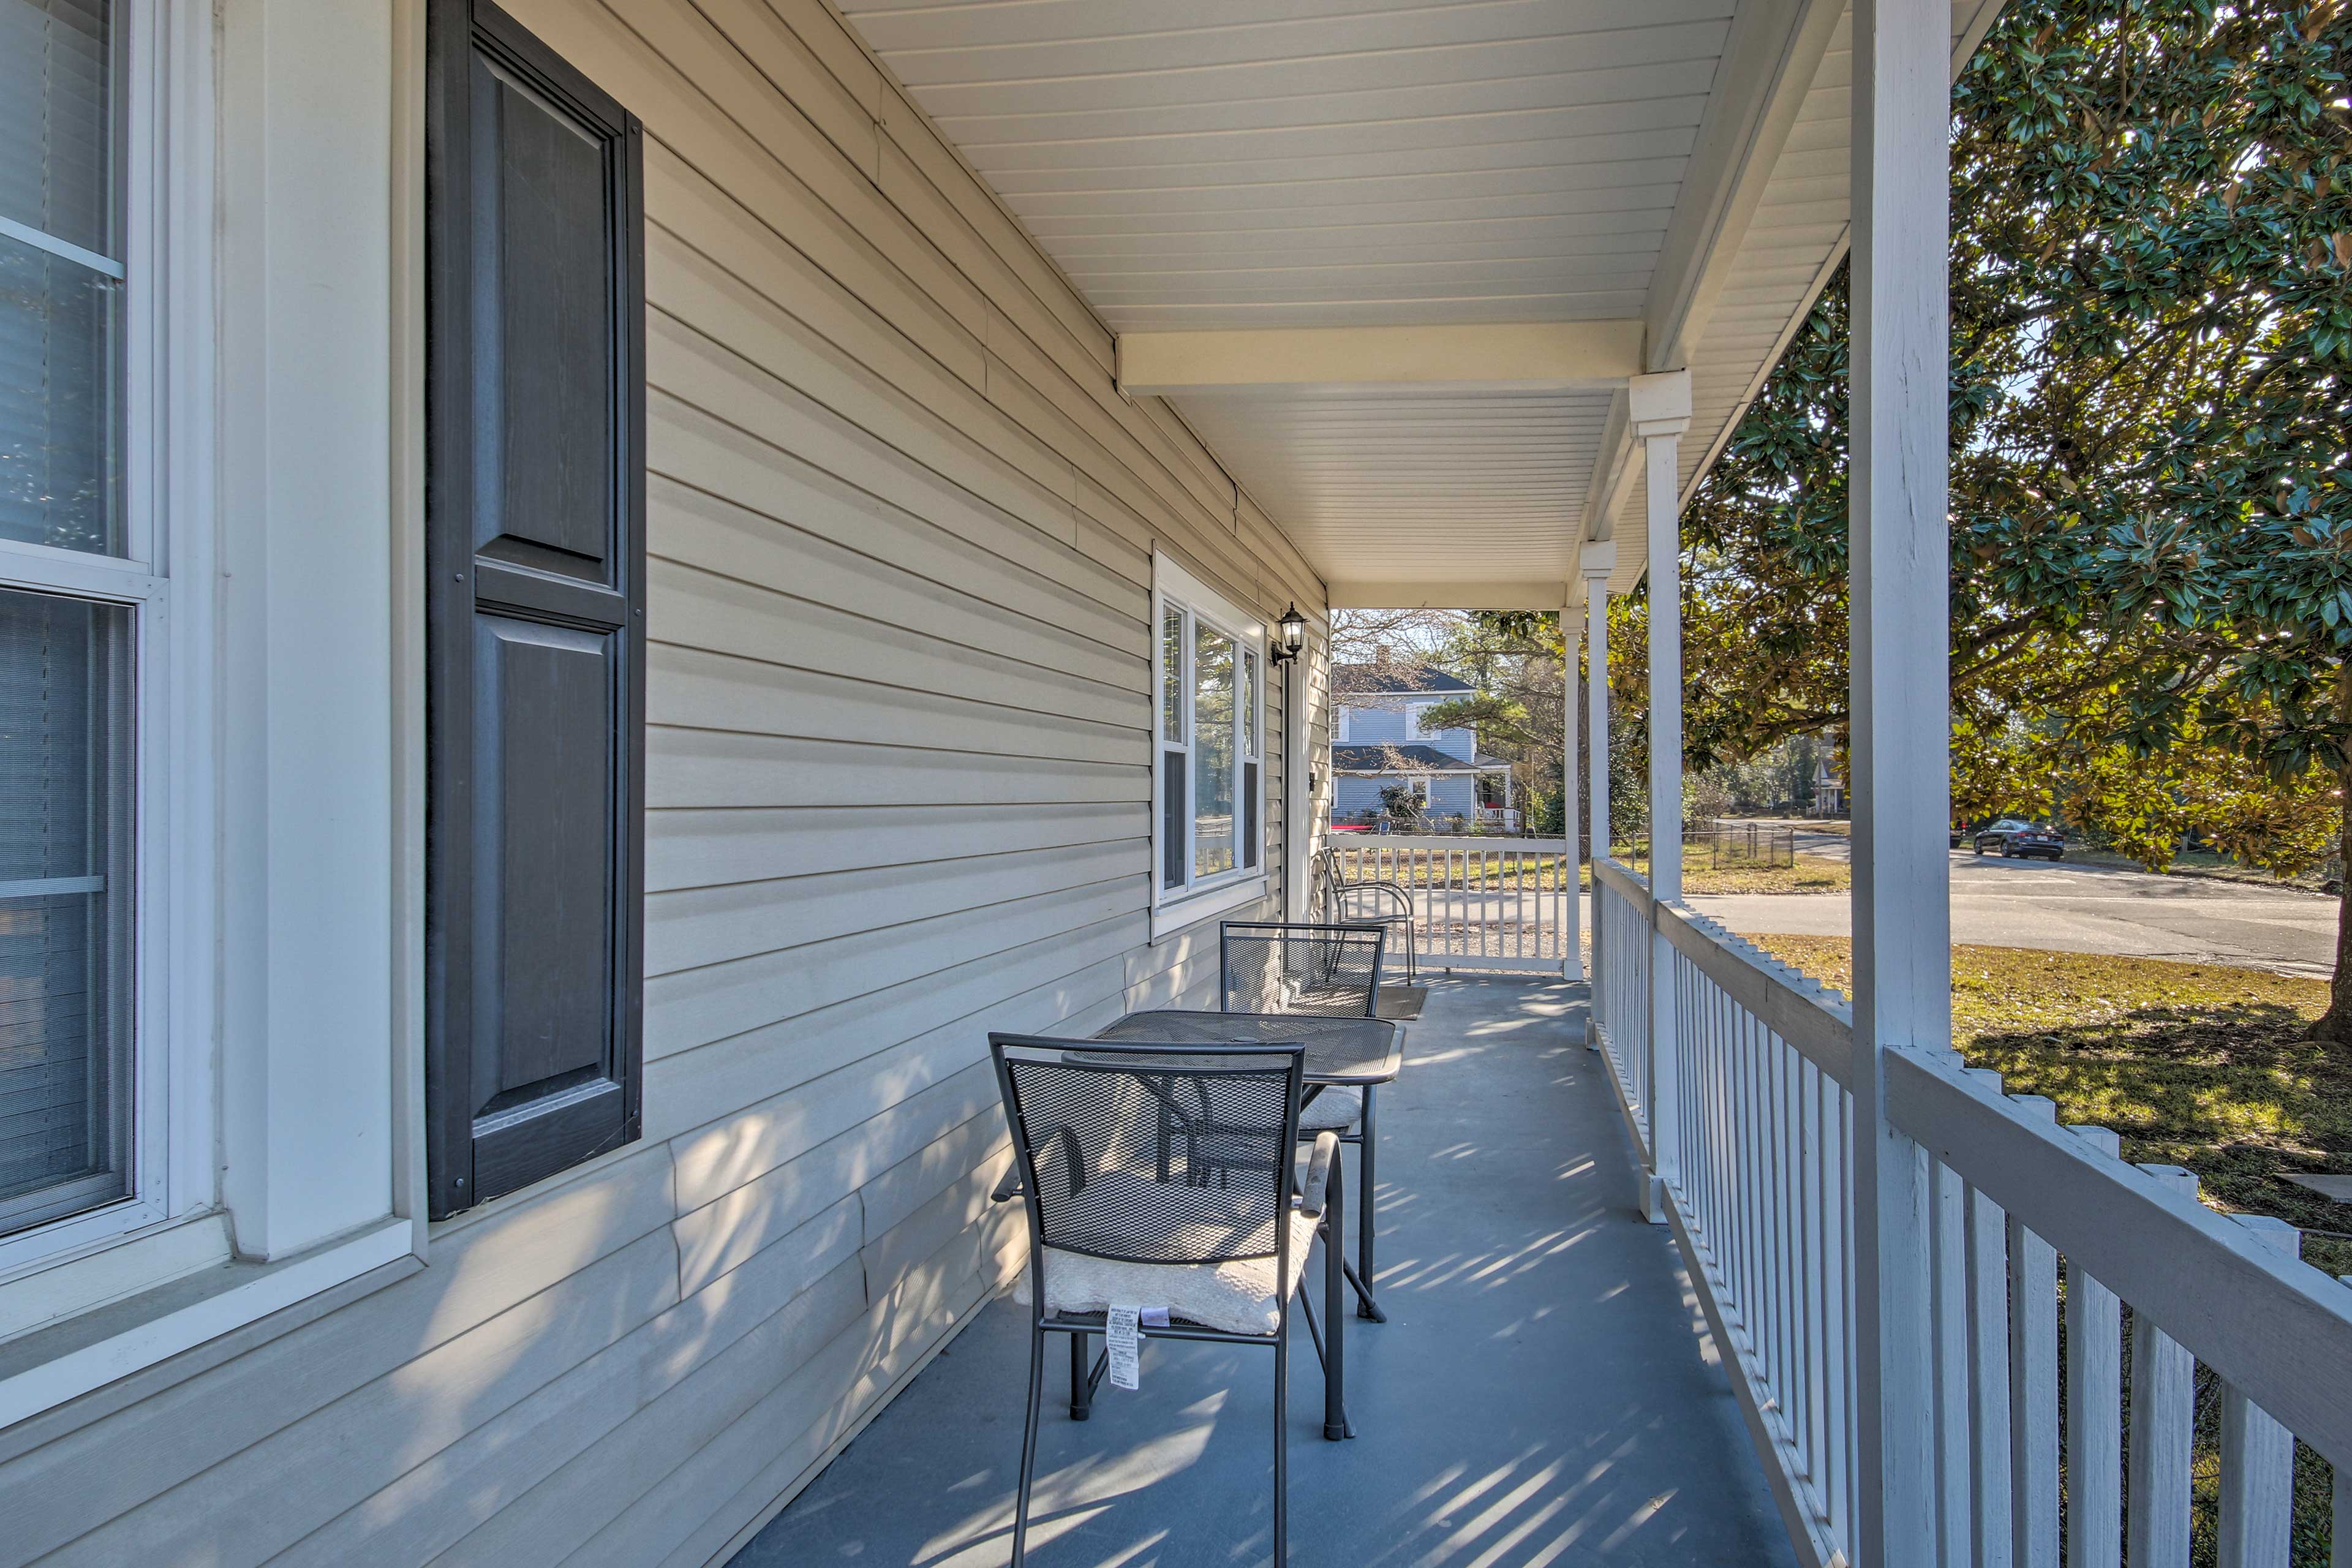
1166,1176
1296,966
1267,966
1338,902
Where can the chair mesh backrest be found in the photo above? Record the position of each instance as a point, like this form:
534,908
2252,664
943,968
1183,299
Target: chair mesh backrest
1153,1155
1322,884
1284,967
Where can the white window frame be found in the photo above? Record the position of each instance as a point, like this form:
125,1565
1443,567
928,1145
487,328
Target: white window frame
166,325
248,1217
1201,897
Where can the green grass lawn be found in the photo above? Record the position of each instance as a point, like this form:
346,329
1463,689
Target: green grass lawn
1733,873
1736,874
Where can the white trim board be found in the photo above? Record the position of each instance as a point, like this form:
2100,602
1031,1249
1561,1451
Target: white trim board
1167,920
1457,357
1170,580
49,1366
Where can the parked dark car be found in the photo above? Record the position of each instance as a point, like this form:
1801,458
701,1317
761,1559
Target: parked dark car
2020,840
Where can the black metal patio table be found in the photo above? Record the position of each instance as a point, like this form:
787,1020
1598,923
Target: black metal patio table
1341,1053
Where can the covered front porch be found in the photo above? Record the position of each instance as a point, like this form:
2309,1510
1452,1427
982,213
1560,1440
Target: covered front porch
1538,1395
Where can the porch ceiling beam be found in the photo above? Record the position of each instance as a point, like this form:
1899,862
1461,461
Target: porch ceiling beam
1518,356
1420,594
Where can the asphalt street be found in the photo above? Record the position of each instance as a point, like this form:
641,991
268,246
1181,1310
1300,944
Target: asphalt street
2073,907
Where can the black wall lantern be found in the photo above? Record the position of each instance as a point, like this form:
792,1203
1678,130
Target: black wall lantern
1291,636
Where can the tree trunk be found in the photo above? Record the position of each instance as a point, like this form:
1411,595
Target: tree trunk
2335,1025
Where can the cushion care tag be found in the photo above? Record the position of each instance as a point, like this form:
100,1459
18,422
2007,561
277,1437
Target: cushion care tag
1126,1346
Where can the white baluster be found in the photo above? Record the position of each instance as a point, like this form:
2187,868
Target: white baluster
2257,1453
2163,1423
2032,1384
1948,1263
2093,1408
1988,1290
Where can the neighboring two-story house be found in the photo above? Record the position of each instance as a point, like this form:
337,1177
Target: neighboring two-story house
1380,737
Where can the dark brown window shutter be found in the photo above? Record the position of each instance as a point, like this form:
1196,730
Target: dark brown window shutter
534,610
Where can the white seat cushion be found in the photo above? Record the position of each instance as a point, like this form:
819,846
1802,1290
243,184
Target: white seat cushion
1238,1297
1333,1111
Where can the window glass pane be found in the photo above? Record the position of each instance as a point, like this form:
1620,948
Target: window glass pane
57,120
1249,814
1172,675
59,462
60,318
65,905
1171,819
1213,752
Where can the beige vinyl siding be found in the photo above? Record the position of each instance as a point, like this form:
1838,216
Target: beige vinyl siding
900,778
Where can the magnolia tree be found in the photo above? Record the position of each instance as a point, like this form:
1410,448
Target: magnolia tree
2151,387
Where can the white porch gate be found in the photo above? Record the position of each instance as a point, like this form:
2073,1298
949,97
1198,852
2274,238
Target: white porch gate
1478,903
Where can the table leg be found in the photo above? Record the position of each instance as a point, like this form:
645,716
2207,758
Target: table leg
1334,1317
1082,1393
1366,1307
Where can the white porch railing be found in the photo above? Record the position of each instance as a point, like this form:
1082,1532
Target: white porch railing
1620,985
1494,904
1759,1173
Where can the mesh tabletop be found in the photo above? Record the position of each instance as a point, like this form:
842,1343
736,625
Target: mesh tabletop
1338,1050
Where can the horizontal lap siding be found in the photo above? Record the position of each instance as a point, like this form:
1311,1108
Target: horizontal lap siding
901,528
1353,793
1453,793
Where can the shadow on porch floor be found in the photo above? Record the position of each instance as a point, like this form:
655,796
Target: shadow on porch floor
1537,1396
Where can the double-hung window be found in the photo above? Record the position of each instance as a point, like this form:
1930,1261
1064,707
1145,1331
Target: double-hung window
1208,713
83,592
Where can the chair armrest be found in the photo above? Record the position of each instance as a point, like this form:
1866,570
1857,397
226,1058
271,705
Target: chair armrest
1403,899
1011,1185
1316,1188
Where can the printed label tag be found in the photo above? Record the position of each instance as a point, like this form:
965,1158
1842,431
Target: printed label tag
1126,1346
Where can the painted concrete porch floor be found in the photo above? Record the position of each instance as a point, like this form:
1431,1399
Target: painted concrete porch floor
1538,1395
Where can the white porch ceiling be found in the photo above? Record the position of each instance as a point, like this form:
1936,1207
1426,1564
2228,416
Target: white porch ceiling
1225,163
1224,166
1456,488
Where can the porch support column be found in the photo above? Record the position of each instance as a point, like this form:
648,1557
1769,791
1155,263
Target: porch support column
1900,620
1660,407
1571,966
1598,563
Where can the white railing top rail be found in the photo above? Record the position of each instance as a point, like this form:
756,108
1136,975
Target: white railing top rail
1457,841
1623,877
2262,1321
